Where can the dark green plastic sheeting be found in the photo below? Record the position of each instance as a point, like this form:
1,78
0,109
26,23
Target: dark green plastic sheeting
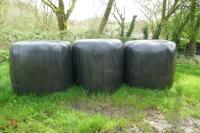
40,66
98,64
150,63
198,49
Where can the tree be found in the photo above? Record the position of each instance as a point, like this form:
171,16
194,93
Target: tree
176,33
120,18
166,14
43,15
158,13
132,26
179,22
105,16
59,11
194,25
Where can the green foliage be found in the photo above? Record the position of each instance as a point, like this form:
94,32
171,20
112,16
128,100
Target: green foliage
91,34
6,93
132,26
145,32
183,27
2,6
3,55
10,35
184,39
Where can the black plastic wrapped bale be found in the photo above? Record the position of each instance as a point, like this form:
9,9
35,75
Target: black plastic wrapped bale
150,63
40,67
198,49
98,64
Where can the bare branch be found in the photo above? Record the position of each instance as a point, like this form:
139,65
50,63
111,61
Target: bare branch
119,14
174,7
70,10
50,4
115,8
117,19
164,9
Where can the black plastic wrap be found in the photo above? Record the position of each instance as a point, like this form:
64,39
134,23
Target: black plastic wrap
150,63
198,49
98,64
40,66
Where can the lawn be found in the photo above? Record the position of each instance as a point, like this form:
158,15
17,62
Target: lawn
126,110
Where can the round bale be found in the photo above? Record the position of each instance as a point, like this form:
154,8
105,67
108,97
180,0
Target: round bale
40,66
98,64
150,63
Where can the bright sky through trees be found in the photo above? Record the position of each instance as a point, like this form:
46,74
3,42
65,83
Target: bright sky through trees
91,8
85,9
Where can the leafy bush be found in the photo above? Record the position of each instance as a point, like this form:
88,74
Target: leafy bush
145,31
9,35
3,55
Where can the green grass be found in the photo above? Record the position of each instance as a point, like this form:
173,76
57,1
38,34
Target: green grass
76,111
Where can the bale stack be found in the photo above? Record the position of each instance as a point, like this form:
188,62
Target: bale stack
95,64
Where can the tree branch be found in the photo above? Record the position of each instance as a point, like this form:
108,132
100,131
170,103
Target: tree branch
70,10
164,9
117,19
50,4
174,7
61,4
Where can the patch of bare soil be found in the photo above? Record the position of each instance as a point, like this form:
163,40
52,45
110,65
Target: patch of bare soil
157,120
197,59
191,125
160,125
104,108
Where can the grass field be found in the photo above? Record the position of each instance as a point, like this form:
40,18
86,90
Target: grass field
126,110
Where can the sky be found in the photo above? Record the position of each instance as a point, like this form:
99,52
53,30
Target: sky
85,9
94,8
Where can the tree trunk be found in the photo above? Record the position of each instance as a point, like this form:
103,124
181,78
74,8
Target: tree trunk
122,29
164,9
61,16
193,39
62,23
159,26
165,17
192,48
106,16
193,27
